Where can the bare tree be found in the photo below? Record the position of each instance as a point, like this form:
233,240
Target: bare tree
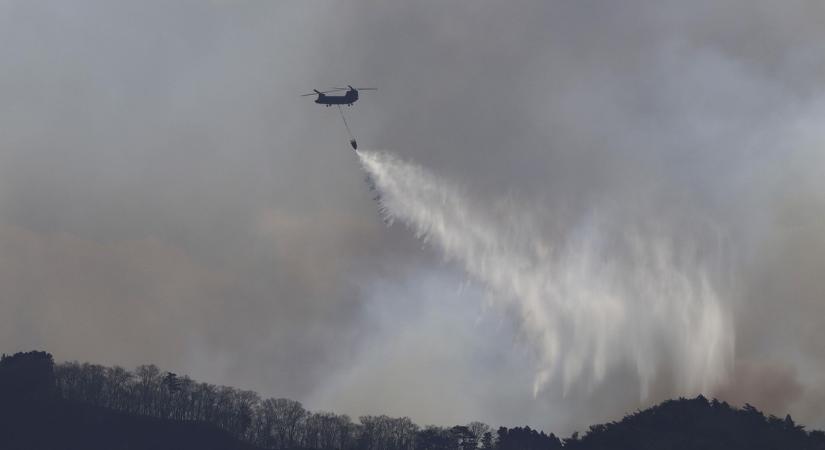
478,430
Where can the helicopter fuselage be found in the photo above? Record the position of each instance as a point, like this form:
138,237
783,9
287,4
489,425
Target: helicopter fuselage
348,98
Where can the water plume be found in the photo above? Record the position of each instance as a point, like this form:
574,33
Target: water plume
602,294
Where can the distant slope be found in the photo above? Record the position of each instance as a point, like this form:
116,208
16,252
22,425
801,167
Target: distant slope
699,424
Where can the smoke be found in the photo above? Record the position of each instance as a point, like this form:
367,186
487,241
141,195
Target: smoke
159,172
588,298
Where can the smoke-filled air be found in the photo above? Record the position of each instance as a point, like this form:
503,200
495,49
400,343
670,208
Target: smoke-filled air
595,205
586,299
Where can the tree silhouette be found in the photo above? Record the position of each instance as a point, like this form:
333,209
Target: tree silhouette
74,405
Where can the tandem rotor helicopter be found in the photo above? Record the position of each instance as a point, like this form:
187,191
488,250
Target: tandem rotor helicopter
349,97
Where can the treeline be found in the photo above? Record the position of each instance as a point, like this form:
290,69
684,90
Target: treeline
34,416
149,392
273,423
179,402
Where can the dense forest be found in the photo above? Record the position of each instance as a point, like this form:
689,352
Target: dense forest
146,407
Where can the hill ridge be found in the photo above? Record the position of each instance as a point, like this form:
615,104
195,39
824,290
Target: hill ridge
73,406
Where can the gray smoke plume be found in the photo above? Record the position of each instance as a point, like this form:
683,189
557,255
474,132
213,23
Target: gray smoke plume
166,196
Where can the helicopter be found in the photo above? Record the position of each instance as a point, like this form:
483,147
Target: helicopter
349,97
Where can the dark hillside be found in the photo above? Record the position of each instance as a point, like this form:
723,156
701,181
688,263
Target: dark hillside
33,416
60,424
699,424
91,407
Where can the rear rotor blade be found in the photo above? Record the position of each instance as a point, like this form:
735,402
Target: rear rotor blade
324,92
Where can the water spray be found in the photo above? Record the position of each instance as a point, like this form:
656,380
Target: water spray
598,297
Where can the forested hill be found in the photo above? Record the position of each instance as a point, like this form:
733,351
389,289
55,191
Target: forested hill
35,416
85,406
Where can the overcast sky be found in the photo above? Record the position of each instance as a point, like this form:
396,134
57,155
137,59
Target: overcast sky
167,197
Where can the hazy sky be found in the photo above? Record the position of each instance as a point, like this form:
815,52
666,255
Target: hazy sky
167,197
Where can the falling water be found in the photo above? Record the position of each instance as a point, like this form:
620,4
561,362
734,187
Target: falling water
588,300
